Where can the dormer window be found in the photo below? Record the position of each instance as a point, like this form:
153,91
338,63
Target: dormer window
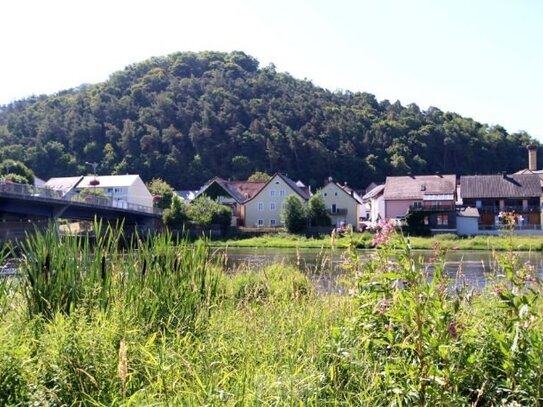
423,187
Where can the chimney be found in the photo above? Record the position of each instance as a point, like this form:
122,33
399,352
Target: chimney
532,157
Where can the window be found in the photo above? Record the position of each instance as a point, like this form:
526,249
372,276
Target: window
260,222
261,206
272,222
326,194
282,192
272,206
272,192
117,190
334,209
443,220
110,190
478,203
335,193
426,220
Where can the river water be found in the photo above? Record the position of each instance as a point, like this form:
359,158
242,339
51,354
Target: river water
326,267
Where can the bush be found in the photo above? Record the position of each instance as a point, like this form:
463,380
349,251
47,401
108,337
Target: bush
206,212
176,215
294,214
317,212
275,282
163,193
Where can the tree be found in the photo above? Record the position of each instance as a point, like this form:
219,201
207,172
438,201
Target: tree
294,214
176,215
162,192
11,167
206,212
259,176
92,194
317,212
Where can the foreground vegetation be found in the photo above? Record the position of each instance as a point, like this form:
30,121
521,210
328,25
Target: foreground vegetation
162,324
365,241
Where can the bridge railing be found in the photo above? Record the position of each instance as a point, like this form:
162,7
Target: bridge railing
33,192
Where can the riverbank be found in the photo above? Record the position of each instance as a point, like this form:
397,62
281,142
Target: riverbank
364,240
164,324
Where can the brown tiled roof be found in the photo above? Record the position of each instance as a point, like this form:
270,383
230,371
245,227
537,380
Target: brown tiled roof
244,189
500,186
240,191
415,187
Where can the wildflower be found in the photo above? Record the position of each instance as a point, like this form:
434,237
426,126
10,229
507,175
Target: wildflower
384,234
452,330
383,306
498,290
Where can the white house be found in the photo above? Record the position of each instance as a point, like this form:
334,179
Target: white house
375,203
264,208
122,189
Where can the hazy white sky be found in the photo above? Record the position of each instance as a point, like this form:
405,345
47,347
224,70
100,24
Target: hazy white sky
480,58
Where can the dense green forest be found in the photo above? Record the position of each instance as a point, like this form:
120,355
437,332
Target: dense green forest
190,116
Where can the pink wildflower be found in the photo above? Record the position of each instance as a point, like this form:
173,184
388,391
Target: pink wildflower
452,329
384,234
383,306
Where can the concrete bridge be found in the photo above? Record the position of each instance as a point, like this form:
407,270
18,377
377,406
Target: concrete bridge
25,207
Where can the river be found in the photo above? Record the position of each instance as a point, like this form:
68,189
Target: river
325,267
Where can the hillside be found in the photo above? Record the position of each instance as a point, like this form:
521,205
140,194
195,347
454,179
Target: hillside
189,116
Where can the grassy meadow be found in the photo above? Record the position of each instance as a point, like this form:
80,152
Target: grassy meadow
161,323
364,240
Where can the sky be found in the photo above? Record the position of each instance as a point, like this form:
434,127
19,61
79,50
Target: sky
482,59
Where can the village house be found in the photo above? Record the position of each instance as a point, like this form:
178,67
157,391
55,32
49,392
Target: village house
434,195
264,208
123,190
493,195
344,204
375,203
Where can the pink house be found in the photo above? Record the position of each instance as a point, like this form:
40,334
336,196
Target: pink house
420,192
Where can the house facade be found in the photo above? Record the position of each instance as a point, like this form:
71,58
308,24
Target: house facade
432,196
344,204
265,207
493,195
123,190
374,201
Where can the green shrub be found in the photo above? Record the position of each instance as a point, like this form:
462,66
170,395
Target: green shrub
275,282
14,379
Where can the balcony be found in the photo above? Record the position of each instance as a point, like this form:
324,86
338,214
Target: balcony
515,208
432,207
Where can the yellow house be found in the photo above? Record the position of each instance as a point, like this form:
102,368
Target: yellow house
264,208
344,204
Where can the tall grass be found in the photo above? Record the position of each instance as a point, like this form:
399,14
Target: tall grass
160,324
168,285
60,272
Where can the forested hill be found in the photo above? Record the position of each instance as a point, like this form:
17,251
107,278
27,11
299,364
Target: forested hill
190,116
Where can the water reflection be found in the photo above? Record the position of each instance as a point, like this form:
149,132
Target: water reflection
325,267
